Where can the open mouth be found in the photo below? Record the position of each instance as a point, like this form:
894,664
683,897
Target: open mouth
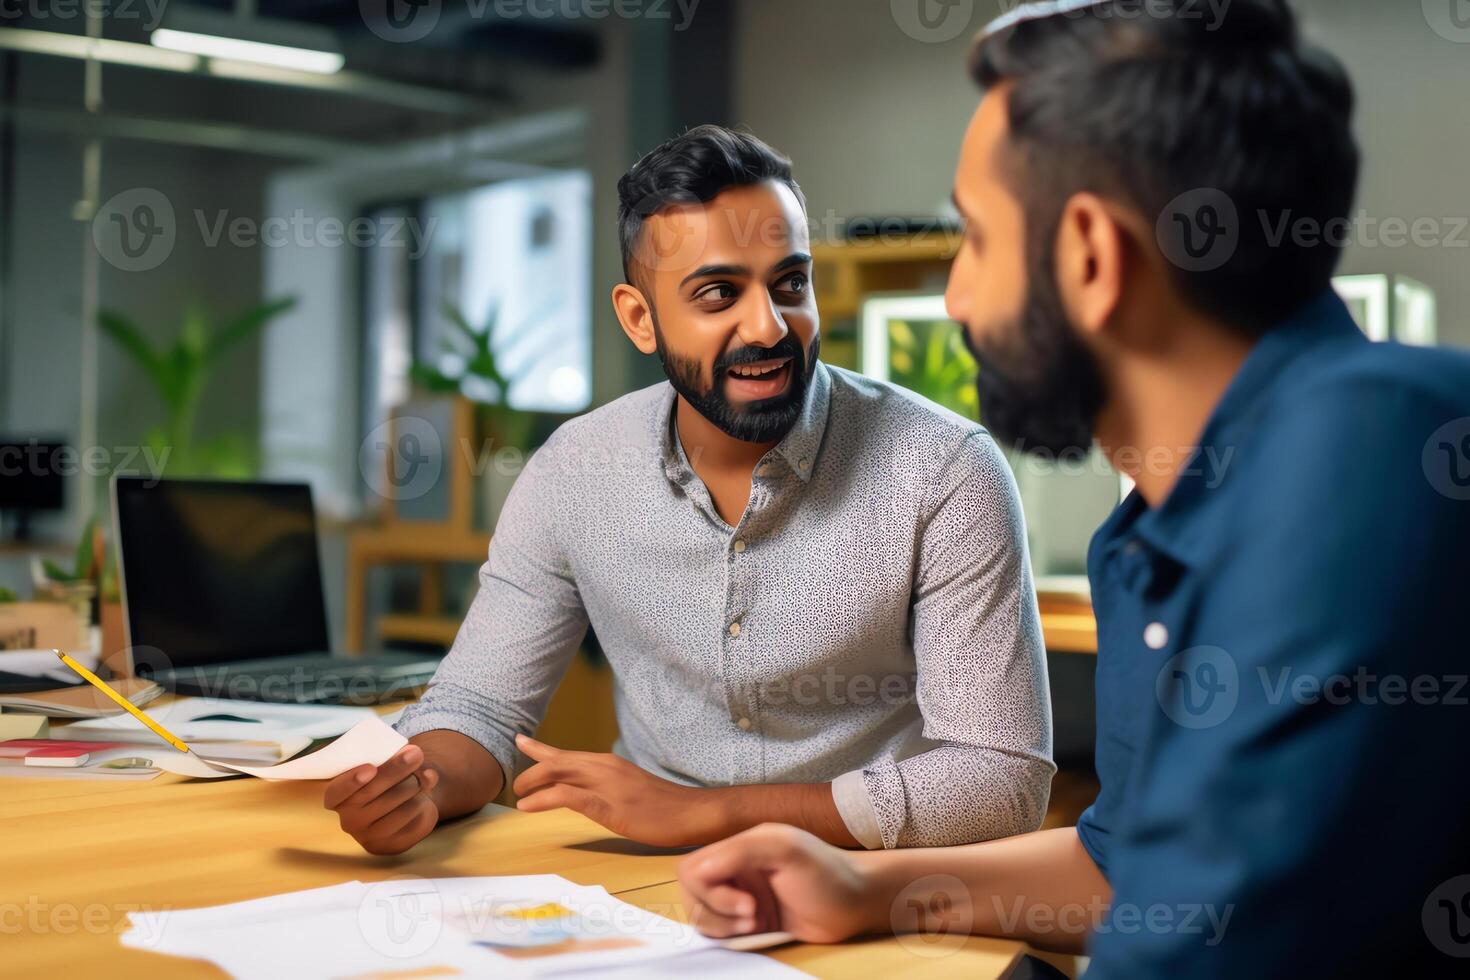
763,379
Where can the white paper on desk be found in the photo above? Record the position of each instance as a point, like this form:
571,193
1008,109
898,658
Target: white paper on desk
44,664
526,926
369,742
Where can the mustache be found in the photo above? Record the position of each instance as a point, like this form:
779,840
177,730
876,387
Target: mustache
785,347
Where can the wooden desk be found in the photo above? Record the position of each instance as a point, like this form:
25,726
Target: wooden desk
974,957
77,855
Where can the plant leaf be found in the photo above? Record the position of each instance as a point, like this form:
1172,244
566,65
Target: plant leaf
83,560
126,334
55,572
247,324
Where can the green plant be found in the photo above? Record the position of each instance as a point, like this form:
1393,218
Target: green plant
6,595
83,563
475,358
929,357
179,373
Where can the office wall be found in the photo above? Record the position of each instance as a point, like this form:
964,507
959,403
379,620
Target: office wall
40,383
873,118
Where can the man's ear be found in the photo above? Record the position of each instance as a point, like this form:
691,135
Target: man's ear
635,314
1090,262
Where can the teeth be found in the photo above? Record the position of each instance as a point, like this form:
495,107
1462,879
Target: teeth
747,371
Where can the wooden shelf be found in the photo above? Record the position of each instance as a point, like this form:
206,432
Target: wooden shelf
418,628
847,273
1067,622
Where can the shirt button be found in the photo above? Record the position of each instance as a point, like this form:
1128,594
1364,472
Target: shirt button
744,724
804,464
1156,635
734,629
1132,548
739,547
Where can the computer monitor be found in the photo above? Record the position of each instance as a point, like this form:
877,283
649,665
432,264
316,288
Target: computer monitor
214,571
31,481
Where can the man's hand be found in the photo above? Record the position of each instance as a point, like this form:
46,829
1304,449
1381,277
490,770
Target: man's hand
625,799
777,878
387,808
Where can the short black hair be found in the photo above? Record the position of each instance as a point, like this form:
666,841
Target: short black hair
695,167
1154,104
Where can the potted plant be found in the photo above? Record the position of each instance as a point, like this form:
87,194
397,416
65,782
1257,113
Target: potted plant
75,585
471,366
180,372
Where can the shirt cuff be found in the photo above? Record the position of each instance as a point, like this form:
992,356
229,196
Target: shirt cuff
419,718
850,794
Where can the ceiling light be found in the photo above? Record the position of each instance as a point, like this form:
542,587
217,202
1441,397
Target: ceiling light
242,38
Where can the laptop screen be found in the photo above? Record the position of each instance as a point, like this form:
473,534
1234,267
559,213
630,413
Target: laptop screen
215,571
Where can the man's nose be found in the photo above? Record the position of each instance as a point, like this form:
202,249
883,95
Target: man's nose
763,326
955,304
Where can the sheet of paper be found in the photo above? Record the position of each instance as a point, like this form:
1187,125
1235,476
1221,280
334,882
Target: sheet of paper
44,663
368,742
526,926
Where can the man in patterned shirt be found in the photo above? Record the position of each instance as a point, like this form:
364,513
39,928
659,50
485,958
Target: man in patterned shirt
812,588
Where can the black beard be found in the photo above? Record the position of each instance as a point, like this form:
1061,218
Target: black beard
1040,387
764,421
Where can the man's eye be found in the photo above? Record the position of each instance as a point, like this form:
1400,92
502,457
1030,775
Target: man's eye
717,293
796,283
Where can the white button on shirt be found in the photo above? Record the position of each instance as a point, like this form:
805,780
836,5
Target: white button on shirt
894,560
1156,636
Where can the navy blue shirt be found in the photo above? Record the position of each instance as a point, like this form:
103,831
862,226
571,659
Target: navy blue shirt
1281,679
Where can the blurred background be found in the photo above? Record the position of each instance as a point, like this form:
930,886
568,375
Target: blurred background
369,245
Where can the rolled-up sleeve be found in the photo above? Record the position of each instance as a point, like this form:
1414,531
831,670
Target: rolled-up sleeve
520,634
981,662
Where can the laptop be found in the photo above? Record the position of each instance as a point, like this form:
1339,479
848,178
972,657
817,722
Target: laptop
222,596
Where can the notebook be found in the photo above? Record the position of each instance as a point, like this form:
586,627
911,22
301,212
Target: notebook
82,700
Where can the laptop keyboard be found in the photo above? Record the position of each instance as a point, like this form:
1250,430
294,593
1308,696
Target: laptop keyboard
305,683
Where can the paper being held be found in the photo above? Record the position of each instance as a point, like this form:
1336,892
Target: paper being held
369,742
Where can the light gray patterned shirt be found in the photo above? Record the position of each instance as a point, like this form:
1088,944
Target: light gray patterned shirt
871,621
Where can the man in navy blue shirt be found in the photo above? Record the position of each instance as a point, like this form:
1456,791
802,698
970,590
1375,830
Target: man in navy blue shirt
1155,203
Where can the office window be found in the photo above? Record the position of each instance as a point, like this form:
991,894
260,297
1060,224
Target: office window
518,253
514,257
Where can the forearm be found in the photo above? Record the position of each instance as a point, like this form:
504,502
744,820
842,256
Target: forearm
809,806
1042,888
958,794
469,776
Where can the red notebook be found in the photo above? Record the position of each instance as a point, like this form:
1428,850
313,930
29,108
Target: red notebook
52,751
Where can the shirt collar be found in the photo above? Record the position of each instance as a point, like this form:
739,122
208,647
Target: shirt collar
1173,528
799,448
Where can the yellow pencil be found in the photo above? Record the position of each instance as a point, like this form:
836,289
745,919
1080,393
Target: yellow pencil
123,702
